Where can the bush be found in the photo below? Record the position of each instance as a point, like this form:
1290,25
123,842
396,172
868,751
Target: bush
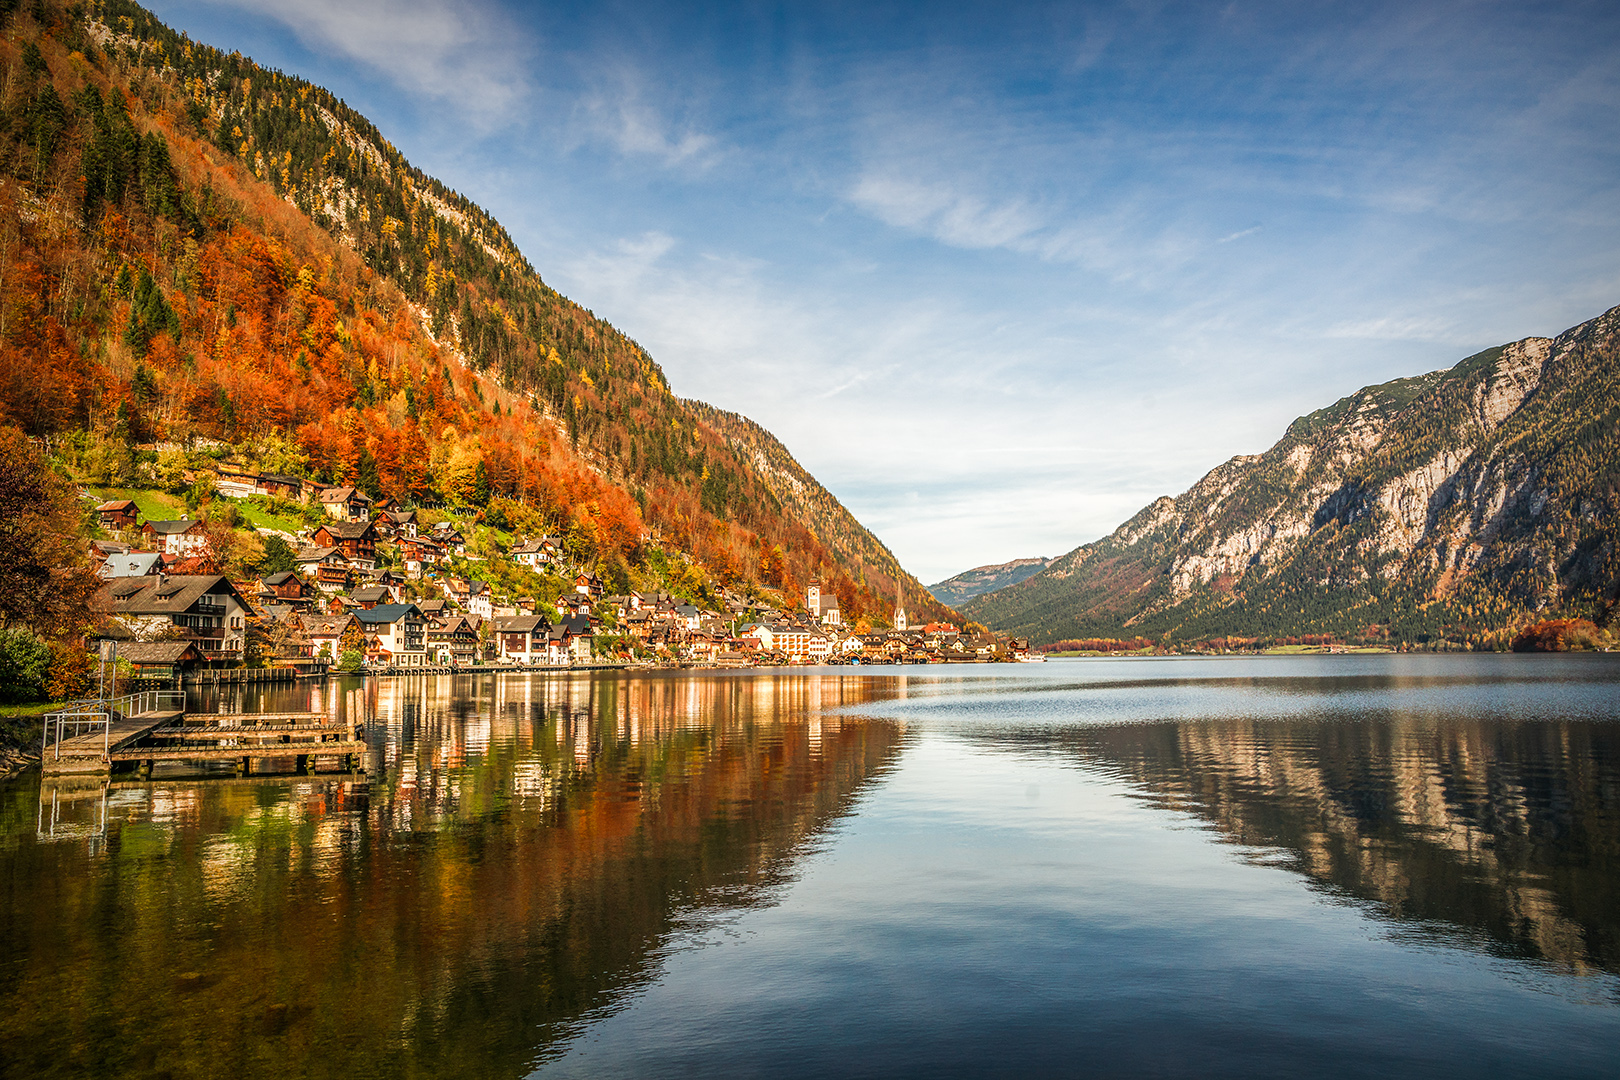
1560,635
25,663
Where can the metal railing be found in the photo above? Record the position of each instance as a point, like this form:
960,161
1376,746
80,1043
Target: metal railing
76,716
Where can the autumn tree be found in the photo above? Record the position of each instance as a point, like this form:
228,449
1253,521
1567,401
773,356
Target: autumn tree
46,584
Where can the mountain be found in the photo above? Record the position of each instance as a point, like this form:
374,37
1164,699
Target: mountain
1447,507
984,579
206,258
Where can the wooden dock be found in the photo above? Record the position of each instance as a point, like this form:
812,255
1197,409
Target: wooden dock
145,739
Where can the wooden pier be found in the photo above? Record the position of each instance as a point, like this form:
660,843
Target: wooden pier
161,734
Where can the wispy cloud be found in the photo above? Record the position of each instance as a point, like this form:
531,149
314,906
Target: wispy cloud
469,53
950,216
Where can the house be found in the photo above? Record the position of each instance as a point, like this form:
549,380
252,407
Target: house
369,597
453,640
396,524
325,634
183,537
480,601
447,536
346,504
287,587
687,616
400,630
588,585
356,539
537,553
419,553
235,482
118,514
823,607
159,659
522,639
133,564
280,487
204,609
571,641
326,567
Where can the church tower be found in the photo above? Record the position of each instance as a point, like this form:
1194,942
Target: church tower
812,598
900,616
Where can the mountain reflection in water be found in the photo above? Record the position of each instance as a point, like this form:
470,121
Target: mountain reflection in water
1468,805
529,847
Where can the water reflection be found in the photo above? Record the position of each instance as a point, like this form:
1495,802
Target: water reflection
1477,802
525,849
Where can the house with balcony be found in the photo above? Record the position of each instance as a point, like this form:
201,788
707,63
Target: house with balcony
571,641
204,609
522,639
117,514
346,504
536,554
326,568
181,538
453,640
396,524
400,630
325,634
287,587
356,539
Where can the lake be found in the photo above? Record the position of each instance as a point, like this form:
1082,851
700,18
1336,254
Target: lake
1343,865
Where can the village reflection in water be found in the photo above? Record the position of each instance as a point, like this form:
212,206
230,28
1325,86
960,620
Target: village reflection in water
523,850
525,854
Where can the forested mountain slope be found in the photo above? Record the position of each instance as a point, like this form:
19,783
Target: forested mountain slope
193,247
985,579
1453,505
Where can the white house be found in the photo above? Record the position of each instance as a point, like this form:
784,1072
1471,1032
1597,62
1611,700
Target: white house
400,630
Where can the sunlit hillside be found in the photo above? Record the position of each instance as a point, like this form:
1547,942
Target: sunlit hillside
200,251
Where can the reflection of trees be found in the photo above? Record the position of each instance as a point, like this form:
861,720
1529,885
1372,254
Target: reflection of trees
1506,829
518,863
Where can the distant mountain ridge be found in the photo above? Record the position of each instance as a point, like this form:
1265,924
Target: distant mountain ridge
985,579
1449,506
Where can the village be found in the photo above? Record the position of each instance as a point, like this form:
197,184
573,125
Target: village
374,588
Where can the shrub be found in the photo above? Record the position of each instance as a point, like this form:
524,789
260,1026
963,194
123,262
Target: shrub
25,662
1559,635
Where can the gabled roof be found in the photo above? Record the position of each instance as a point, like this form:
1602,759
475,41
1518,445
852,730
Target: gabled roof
135,564
325,625
369,594
347,530
166,595
158,652
174,528
115,505
343,494
319,554
572,626
386,613
520,624
280,578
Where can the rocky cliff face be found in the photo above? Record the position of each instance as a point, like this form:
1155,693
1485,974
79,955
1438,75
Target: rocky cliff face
1452,504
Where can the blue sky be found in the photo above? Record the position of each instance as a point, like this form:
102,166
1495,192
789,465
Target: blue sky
1000,275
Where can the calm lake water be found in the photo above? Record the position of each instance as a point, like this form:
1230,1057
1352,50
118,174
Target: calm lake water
1357,866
